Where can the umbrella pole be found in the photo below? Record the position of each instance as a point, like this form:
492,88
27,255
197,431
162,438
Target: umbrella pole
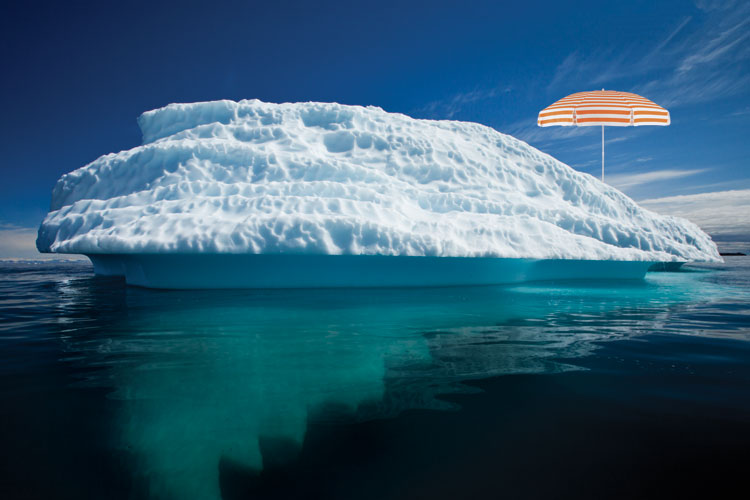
602,153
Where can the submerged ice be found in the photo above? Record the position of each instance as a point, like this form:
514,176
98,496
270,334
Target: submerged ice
251,177
205,382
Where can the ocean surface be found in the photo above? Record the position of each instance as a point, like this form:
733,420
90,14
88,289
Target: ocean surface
634,389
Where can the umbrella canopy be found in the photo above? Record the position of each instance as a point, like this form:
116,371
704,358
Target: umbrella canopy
603,107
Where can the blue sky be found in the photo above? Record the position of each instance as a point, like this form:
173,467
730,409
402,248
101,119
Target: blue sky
75,77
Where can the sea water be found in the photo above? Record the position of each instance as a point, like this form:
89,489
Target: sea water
629,388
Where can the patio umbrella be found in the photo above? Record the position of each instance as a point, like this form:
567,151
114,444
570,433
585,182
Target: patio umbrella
600,107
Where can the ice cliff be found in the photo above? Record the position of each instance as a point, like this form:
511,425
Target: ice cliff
251,177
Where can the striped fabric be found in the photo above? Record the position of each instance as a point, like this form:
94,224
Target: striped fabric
603,107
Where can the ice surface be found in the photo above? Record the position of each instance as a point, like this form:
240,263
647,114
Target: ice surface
251,177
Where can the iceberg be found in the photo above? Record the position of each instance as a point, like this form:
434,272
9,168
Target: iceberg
254,194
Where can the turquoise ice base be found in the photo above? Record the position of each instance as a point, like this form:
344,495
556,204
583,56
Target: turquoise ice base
185,271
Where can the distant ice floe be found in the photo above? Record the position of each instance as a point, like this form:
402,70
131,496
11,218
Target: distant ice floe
251,177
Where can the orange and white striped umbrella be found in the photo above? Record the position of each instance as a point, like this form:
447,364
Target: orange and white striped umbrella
603,107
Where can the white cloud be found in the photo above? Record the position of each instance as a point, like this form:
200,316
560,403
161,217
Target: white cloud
742,112
624,181
649,58
527,130
709,5
719,45
597,145
448,108
566,69
20,243
706,64
723,214
700,59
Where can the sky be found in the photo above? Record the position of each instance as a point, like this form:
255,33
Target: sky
76,75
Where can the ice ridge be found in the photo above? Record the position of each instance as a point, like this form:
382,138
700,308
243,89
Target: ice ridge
251,177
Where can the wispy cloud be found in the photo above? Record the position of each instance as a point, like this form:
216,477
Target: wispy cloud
718,46
596,145
707,64
572,63
451,106
655,52
528,130
723,214
625,181
20,243
709,5
700,58
563,139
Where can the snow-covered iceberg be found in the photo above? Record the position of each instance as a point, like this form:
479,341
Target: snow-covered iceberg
321,194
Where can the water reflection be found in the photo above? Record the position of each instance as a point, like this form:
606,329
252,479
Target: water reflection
204,378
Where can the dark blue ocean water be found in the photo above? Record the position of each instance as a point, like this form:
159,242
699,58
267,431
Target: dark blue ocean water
548,390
